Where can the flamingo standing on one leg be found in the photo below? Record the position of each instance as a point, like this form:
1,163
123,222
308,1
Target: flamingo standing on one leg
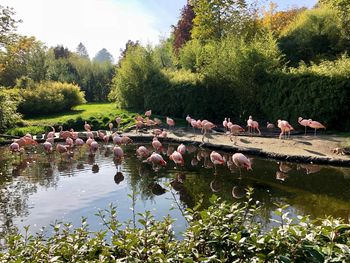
303,122
316,125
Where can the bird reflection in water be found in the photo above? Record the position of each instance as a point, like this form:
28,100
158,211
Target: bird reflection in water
238,192
91,159
216,185
310,168
118,177
95,168
281,176
157,189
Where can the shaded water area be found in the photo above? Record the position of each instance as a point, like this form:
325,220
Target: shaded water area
36,189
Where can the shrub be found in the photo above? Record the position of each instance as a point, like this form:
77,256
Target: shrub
50,97
8,109
221,233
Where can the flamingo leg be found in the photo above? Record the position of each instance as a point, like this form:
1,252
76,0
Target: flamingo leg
315,132
305,130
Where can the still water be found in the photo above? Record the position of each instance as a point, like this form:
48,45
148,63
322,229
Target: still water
37,189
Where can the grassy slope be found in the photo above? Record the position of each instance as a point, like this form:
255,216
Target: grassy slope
99,114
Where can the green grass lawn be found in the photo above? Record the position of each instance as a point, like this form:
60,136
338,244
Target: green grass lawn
85,111
96,114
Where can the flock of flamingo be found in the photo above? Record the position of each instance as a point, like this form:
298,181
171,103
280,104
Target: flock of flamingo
155,158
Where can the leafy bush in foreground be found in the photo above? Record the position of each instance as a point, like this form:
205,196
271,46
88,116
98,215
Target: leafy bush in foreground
8,109
222,233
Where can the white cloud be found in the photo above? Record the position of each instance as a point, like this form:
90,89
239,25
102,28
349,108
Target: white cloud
96,23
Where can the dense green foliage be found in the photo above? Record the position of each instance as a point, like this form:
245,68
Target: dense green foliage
222,233
49,97
8,109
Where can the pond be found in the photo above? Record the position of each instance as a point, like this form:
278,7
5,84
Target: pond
37,189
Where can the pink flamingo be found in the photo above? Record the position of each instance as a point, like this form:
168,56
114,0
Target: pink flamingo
87,127
110,126
250,124
176,157
170,122
229,123
93,147
316,125
117,139
69,142
52,133
47,147
64,134
89,141
235,130
224,123
142,152
270,126
157,145
148,113
61,149
139,125
181,148
79,142
285,127
118,154
157,132
207,127
118,121
216,159
156,159
14,147
164,134
188,120
126,140
157,121
241,160
303,122
106,139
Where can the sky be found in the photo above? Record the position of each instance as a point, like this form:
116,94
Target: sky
103,23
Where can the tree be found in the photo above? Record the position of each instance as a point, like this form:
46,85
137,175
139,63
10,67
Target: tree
82,51
129,44
343,9
103,55
276,21
7,24
24,57
182,31
215,19
61,52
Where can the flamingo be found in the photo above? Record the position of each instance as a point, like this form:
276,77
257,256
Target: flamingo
52,133
157,145
250,124
74,134
285,127
156,159
235,130
229,123
303,122
47,147
241,160
224,123
126,140
14,147
177,158
118,120
61,149
117,139
110,126
164,134
142,152
87,127
89,141
181,148
106,139
216,159
148,113
170,122
118,153
69,142
194,125
316,125
207,127
139,125
270,126
79,142
64,134
25,141
188,120
93,147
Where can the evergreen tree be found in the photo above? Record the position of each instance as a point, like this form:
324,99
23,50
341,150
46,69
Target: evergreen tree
103,56
82,51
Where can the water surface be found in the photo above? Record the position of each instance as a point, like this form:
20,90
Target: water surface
37,189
